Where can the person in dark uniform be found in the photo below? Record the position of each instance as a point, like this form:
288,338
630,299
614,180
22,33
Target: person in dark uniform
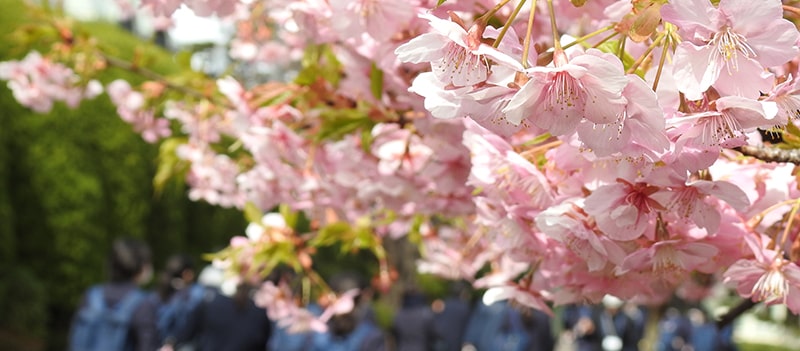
412,327
129,265
451,316
228,323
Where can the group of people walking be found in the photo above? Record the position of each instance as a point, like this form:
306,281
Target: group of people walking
180,314
191,312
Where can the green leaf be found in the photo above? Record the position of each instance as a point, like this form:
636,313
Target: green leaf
336,123
331,67
364,238
537,140
440,3
169,165
332,233
376,81
289,216
184,59
252,213
319,61
791,136
414,235
366,140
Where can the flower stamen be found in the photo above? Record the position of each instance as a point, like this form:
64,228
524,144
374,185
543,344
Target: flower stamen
727,45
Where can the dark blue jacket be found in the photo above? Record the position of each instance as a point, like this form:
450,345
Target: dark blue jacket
143,335
222,324
451,323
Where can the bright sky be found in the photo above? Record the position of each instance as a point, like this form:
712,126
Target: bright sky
188,28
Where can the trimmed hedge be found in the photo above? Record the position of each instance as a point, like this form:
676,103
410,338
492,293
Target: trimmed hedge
70,182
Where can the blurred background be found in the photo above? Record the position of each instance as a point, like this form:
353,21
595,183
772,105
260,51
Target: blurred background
73,180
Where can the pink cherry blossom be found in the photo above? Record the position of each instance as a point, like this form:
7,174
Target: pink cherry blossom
37,82
727,125
455,55
162,7
399,150
569,224
589,85
730,44
694,200
669,259
381,19
787,96
767,277
640,123
624,210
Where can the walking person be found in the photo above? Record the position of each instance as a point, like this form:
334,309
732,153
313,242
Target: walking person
413,325
227,323
177,296
117,315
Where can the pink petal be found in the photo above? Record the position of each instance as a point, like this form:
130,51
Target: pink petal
690,15
774,44
424,48
749,113
748,16
746,78
693,71
518,107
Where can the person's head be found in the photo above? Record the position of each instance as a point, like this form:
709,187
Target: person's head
413,298
178,273
344,324
180,266
130,261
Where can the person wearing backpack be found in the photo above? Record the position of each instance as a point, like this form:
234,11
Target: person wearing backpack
117,316
177,296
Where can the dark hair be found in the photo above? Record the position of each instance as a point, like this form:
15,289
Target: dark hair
127,259
344,324
412,298
174,269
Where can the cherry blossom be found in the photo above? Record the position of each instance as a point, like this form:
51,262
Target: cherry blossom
455,54
767,277
37,83
586,86
730,45
547,167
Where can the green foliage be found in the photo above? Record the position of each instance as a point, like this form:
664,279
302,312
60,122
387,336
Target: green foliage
761,347
319,61
376,81
22,285
73,180
170,167
338,122
350,238
790,137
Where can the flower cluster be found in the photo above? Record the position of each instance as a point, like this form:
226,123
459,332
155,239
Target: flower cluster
576,152
38,82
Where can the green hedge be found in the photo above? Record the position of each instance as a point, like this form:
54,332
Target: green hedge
70,182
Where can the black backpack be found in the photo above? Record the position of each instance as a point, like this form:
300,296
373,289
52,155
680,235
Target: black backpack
99,327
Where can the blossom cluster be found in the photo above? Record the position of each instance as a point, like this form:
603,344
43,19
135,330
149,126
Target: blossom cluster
38,82
575,151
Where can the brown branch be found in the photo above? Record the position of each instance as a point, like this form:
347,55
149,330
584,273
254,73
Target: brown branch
772,154
144,72
734,313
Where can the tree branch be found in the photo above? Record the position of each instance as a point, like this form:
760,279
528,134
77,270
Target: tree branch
144,72
771,154
734,313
